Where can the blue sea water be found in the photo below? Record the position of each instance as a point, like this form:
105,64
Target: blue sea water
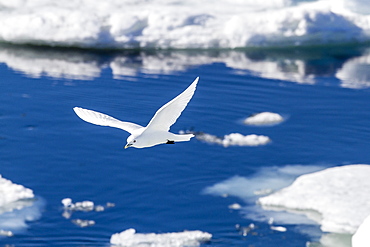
46,147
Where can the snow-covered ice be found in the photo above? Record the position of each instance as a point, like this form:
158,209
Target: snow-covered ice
264,118
339,194
18,205
186,24
11,192
362,237
306,196
129,238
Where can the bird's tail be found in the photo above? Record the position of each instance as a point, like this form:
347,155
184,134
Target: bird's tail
182,138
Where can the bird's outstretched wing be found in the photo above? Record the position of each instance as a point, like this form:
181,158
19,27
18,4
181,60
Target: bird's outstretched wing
169,113
104,120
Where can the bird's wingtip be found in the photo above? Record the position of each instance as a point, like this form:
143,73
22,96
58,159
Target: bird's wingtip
195,81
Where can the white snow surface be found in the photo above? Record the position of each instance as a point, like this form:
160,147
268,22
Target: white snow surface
264,118
340,194
11,192
362,237
183,24
129,238
17,206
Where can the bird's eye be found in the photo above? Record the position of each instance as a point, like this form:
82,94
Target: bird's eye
134,141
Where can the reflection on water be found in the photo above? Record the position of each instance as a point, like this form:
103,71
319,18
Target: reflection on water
14,216
350,65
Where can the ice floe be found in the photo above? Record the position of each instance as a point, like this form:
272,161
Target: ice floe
129,238
18,205
188,24
11,192
271,180
362,237
338,194
264,118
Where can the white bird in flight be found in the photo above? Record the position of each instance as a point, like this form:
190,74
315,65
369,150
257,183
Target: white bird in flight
157,130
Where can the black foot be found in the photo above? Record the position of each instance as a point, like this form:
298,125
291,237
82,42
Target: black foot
170,142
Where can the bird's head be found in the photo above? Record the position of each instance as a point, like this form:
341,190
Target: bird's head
131,141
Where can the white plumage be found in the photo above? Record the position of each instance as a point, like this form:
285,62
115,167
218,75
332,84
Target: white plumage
157,130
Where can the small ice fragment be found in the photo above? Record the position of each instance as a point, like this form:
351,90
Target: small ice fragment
264,118
129,238
237,139
278,228
6,233
83,223
85,205
235,206
67,202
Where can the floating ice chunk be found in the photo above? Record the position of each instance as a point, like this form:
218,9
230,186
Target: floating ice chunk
11,192
78,206
236,139
264,118
67,202
86,206
278,228
333,192
362,237
17,206
129,238
235,206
